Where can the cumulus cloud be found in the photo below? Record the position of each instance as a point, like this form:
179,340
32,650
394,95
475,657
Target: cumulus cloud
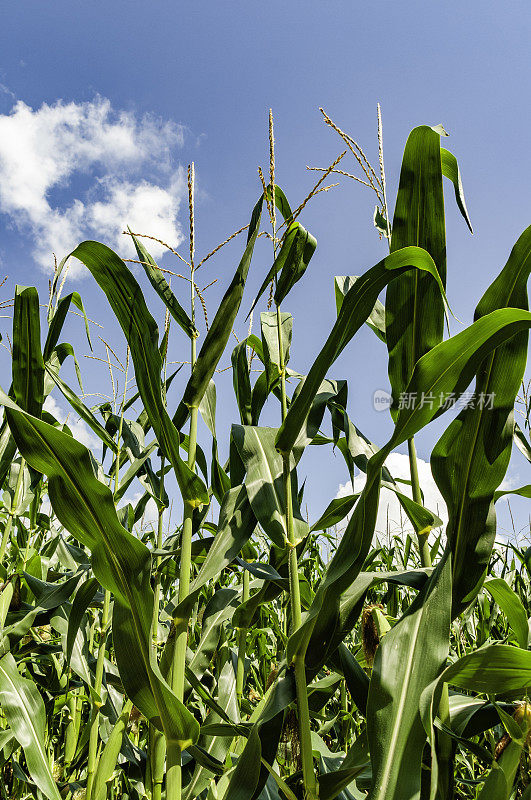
137,203
69,171
390,511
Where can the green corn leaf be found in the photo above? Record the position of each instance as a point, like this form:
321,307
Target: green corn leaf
521,442
28,365
81,409
414,308
297,249
24,710
448,368
218,610
127,301
355,309
270,348
5,600
57,320
341,776
120,562
376,319
409,658
330,393
512,607
450,169
336,511
241,382
494,669
79,654
471,458
219,479
522,491
83,598
8,450
236,525
298,246
421,518
495,787
244,779
265,484
57,358
281,201
162,288
470,716
218,334
357,449
109,756
301,249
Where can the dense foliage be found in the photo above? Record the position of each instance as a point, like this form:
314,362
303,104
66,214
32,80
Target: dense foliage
250,653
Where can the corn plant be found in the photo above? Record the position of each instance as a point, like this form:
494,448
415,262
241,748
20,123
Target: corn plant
240,651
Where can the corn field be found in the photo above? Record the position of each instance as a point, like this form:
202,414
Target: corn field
235,649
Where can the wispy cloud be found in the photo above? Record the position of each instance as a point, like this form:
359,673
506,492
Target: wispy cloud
70,171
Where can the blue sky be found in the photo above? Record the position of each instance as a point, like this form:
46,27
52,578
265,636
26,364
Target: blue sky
103,105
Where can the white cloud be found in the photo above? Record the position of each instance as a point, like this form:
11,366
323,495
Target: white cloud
137,203
390,511
79,429
122,162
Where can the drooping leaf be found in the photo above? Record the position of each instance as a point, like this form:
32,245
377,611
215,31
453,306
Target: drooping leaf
120,562
294,266
376,319
57,320
162,288
297,248
450,170
80,408
127,301
218,334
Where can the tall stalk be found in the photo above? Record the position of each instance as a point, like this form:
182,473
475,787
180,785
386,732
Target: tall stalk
93,754
242,643
157,742
242,634
422,537
311,788
98,683
72,729
174,769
